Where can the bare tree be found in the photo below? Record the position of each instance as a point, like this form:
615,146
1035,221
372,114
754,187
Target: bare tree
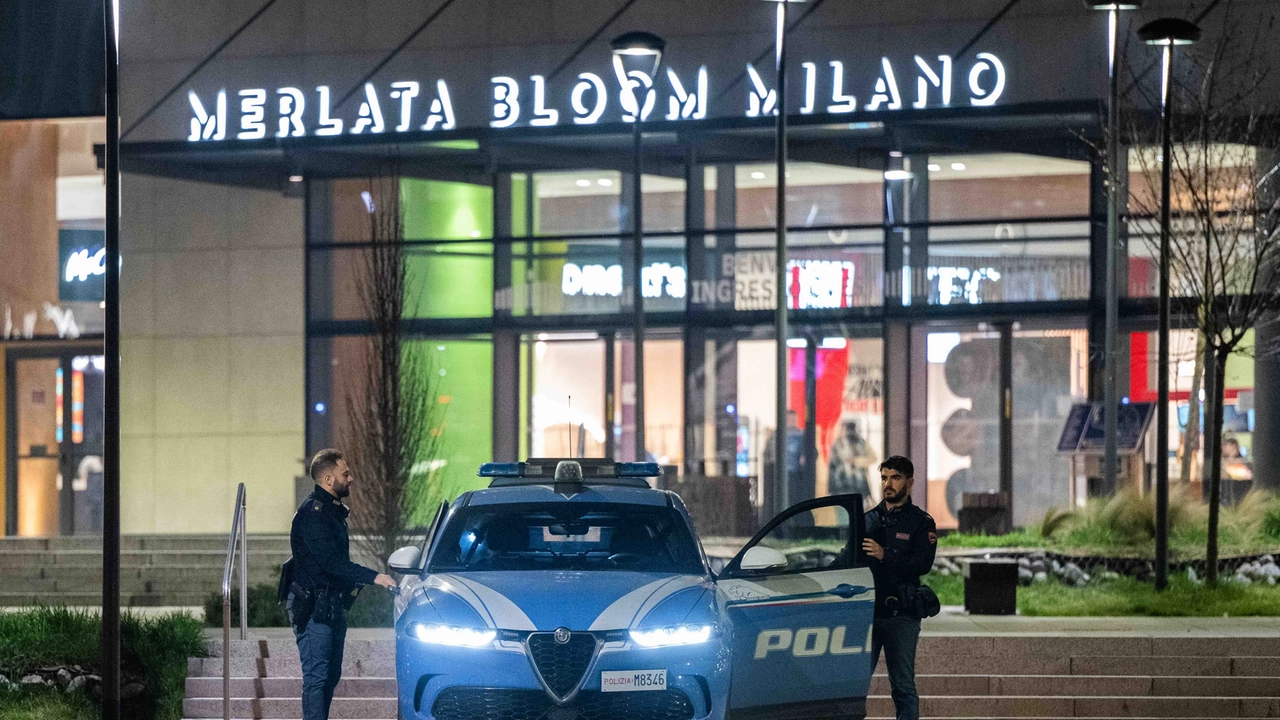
1225,237
392,414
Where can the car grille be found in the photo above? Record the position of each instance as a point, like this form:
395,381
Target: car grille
463,703
562,665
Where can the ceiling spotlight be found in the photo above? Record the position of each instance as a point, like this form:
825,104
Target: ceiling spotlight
897,175
757,175
958,166
934,167
295,178
895,153
583,182
1112,5
604,182
1169,31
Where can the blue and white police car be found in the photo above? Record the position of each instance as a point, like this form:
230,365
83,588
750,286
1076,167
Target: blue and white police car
572,590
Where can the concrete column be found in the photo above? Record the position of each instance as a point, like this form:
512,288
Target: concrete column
1266,375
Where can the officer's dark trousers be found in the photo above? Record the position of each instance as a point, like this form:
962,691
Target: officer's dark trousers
898,636
320,647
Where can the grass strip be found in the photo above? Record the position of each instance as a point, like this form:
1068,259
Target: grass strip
1128,597
155,648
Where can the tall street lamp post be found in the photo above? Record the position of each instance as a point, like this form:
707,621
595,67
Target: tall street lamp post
636,58
1110,401
1165,33
111,376
780,258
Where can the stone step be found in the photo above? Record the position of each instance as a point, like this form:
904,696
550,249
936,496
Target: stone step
288,647
1054,646
289,708
174,569
1088,686
1055,651
15,561
1082,707
201,585
137,542
94,599
289,687
287,667
1240,666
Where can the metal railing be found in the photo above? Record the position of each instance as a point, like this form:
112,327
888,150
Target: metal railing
238,536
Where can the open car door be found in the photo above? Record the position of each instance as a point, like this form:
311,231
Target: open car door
799,602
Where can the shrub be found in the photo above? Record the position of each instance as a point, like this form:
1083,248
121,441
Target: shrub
1271,522
1054,520
156,649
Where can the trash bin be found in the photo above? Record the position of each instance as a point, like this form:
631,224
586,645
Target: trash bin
985,513
991,586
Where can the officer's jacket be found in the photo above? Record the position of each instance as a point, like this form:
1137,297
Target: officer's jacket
321,547
910,539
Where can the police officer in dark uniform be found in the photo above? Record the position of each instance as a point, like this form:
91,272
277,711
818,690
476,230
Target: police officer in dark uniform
900,542
323,582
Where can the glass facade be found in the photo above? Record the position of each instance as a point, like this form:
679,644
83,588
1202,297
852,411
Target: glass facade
913,277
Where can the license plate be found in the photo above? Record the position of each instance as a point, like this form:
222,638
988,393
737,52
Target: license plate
632,680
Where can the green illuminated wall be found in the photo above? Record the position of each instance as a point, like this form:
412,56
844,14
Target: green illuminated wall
455,280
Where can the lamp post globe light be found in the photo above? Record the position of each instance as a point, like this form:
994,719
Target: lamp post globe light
781,494
636,58
1110,399
1166,33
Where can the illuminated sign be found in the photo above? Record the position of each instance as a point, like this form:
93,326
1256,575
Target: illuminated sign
81,265
955,283
529,101
656,280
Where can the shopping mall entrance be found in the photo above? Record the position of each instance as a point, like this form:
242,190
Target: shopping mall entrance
53,469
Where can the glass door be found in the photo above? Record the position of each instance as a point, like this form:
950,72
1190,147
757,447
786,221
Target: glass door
963,409
35,437
53,478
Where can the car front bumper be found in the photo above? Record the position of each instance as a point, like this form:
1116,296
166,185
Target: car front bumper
437,682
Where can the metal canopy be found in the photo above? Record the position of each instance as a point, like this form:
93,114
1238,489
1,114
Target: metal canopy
1055,129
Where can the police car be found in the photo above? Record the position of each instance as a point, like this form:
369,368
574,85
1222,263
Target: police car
573,590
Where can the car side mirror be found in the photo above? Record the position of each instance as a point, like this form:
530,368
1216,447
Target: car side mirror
405,560
763,558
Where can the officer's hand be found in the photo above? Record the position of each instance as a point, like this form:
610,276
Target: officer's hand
872,548
386,581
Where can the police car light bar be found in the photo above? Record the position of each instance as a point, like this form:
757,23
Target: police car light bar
542,470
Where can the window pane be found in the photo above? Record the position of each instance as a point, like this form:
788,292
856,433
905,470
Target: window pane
1006,185
1050,374
817,539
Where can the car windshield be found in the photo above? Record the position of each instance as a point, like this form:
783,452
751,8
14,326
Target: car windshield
567,536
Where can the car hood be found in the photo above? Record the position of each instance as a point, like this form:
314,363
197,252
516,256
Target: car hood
549,599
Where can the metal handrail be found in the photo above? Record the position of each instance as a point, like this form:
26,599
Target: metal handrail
238,534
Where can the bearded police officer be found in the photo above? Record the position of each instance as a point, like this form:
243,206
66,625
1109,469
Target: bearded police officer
323,582
900,542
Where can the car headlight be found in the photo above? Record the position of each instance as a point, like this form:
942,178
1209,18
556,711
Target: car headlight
453,635
672,635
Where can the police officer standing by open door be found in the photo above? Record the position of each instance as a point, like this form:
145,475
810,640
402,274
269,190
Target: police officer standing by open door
320,581
900,542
